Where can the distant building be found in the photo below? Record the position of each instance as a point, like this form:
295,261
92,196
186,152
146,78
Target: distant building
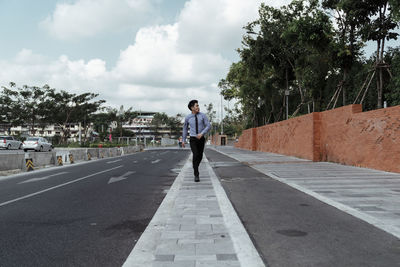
142,127
47,131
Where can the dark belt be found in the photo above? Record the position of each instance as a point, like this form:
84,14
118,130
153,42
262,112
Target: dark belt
194,137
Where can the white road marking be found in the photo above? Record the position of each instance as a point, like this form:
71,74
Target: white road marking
42,178
156,161
135,161
57,186
108,162
120,178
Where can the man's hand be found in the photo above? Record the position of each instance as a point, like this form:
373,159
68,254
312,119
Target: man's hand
199,136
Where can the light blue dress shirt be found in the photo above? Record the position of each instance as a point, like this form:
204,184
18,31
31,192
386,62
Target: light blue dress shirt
190,121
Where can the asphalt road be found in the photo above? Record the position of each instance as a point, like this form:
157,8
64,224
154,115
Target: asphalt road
290,228
86,214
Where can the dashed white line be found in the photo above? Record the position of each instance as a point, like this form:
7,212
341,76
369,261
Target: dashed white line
156,161
42,178
108,162
57,186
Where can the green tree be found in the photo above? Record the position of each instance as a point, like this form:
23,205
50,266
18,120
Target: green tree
284,50
65,108
124,116
172,123
350,16
102,121
211,115
392,94
9,109
159,121
233,122
383,19
175,124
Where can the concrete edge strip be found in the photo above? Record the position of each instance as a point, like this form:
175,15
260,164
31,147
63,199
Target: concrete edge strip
244,247
360,215
142,255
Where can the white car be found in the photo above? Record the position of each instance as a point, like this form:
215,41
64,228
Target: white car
37,144
8,142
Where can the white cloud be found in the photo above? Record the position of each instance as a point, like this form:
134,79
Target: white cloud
86,18
64,74
217,25
26,56
78,76
154,59
165,67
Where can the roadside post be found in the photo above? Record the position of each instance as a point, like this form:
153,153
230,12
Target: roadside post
59,160
29,162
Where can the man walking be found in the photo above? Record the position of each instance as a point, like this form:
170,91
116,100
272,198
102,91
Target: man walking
199,126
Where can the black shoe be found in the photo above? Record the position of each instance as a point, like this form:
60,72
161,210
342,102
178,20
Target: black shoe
196,179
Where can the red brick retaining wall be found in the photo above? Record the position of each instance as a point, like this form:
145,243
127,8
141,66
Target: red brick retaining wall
344,135
291,137
245,140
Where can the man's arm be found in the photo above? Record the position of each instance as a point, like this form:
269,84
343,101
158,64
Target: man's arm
185,130
208,125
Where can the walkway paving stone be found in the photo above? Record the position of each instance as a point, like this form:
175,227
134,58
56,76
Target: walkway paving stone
190,229
195,211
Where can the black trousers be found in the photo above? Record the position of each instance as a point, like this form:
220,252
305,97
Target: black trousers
197,147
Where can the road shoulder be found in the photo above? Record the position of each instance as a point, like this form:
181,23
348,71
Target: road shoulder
290,228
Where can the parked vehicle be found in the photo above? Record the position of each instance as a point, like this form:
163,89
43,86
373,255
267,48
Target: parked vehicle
8,142
37,144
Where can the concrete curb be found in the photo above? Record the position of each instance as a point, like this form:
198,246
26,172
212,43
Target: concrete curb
43,159
245,249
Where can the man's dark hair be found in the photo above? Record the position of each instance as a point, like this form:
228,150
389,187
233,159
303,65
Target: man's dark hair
191,103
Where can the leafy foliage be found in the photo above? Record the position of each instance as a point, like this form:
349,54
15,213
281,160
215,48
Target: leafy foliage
32,106
172,123
313,51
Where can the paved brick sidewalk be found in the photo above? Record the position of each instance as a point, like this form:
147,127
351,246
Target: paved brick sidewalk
370,195
195,225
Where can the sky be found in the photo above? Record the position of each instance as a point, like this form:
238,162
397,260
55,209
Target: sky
151,55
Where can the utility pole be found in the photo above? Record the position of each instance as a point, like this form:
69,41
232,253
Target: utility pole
287,94
80,133
222,117
287,103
